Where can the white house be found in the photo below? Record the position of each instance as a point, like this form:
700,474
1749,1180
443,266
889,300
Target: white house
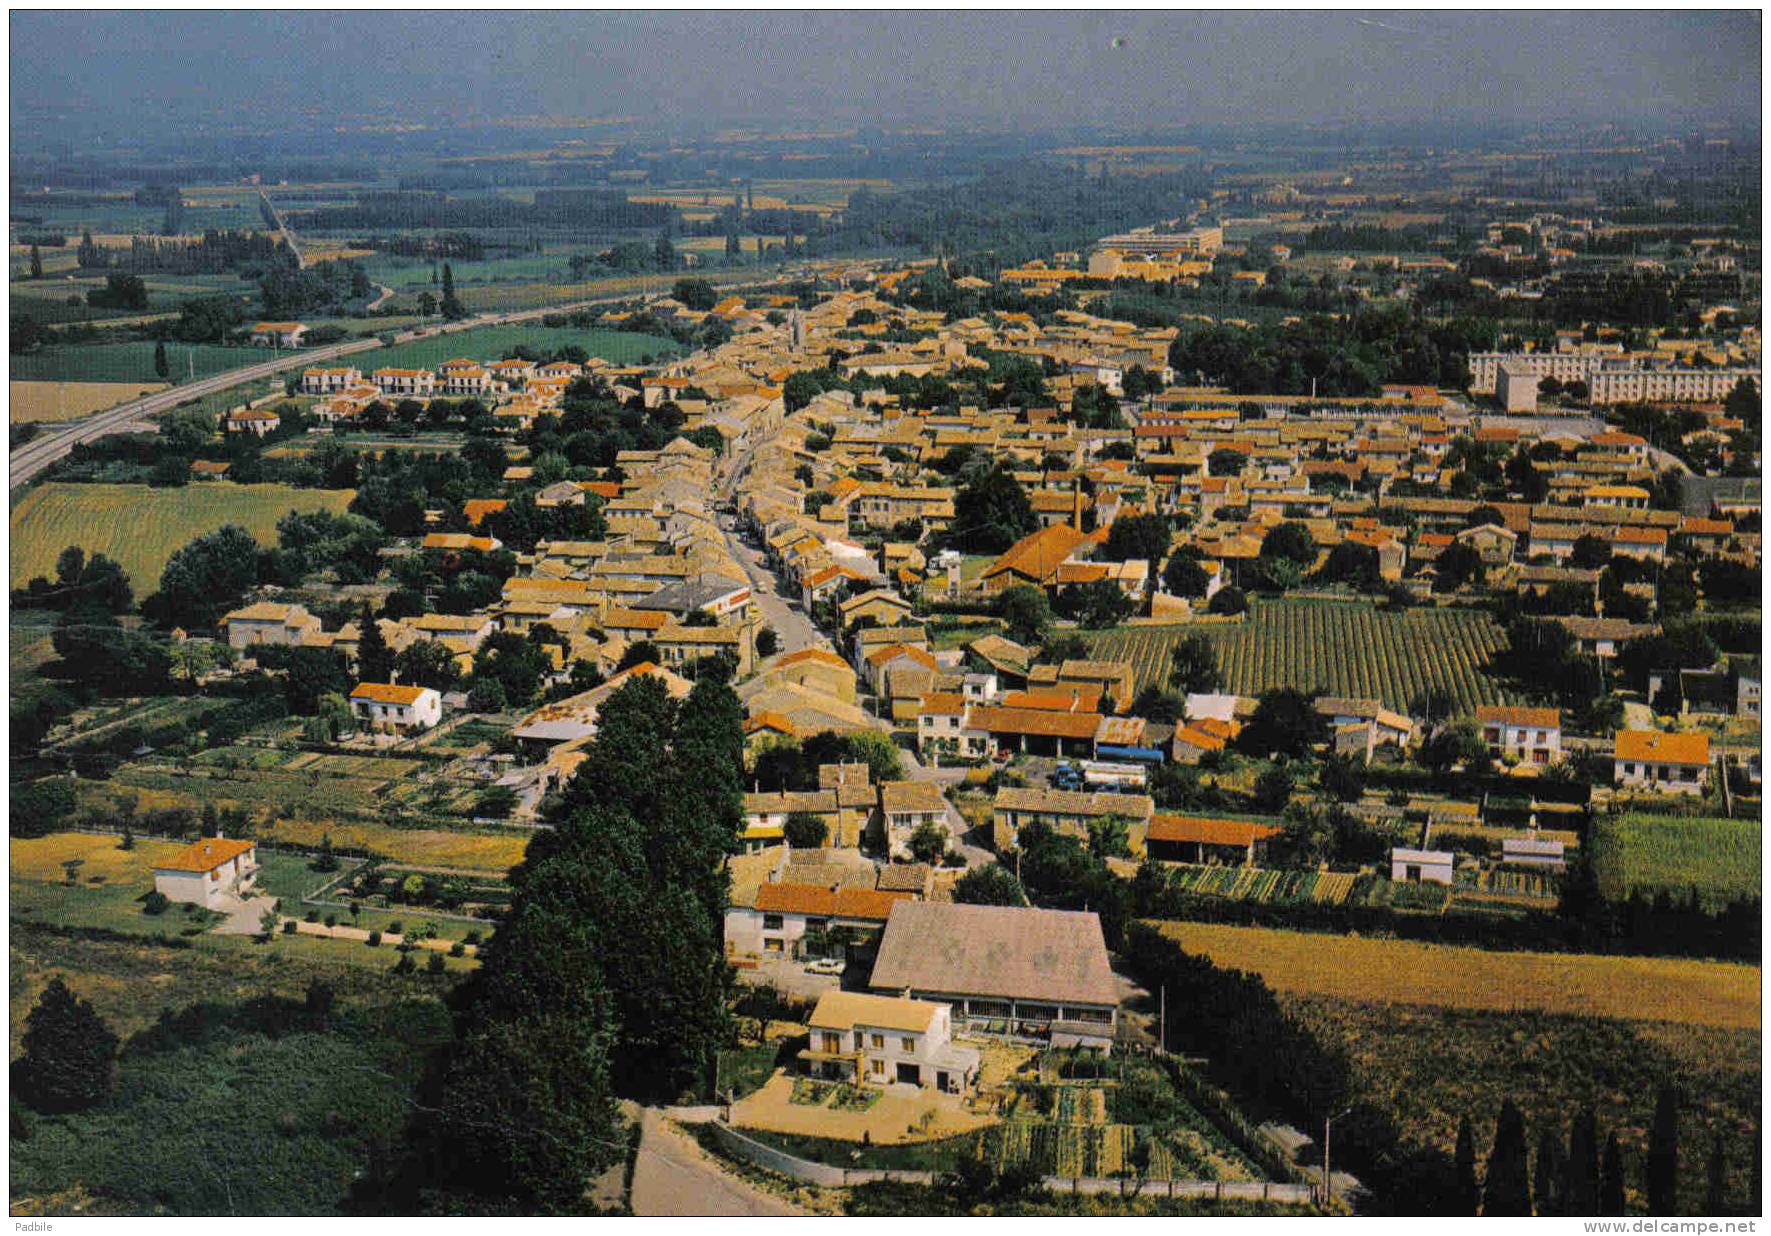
278,334
882,1040
322,381
416,383
1528,735
785,914
387,706
209,872
1421,866
1661,763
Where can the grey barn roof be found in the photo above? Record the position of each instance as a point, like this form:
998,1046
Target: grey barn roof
1004,952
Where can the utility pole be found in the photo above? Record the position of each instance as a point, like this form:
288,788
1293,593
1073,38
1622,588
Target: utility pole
1162,1020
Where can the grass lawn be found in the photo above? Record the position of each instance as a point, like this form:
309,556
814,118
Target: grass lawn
141,527
128,362
1699,993
490,342
743,1070
1719,858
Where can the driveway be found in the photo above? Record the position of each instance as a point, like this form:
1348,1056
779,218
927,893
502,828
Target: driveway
243,914
673,1176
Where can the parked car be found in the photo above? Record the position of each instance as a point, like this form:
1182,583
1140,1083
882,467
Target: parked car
826,965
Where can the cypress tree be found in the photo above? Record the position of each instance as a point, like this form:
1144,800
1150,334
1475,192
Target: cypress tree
1753,1199
375,660
1663,1155
70,1058
1611,1179
1715,1200
161,366
1547,1181
1580,1190
36,261
1468,1196
451,304
1507,1185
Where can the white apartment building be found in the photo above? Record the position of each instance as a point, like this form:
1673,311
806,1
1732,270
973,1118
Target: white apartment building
329,381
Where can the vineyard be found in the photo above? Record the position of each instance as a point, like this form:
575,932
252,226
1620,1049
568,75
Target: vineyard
1265,884
1344,648
1718,859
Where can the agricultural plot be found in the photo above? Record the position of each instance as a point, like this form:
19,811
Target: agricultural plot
1265,884
141,527
128,362
1706,993
490,342
1344,648
51,402
1717,858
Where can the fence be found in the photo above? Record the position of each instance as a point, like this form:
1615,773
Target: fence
832,1177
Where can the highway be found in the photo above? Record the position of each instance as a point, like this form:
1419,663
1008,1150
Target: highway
37,454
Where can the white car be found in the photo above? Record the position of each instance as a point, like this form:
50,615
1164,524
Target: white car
826,965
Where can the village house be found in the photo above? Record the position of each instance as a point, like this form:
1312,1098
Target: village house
213,873
269,622
390,708
905,806
277,334
1203,839
1522,735
1661,763
1004,970
874,1040
801,920
1069,812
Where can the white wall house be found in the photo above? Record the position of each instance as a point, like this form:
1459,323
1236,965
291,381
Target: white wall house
887,1040
269,622
1421,866
1528,735
208,873
785,914
1661,763
389,707
329,381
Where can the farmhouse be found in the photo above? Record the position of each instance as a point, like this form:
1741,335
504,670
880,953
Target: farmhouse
1198,839
797,920
1070,812
883,1040
391,708
212,873
1039,974
1661,763
278,334
1523,735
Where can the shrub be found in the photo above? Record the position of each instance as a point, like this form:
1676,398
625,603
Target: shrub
436,965
395,928
288,926
312,916
374,939
332,920
155,902
458,949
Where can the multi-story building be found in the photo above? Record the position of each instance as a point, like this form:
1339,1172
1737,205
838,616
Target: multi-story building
887,1040
1528,735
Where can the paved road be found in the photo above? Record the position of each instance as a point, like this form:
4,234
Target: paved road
961,836
795,630
674,1176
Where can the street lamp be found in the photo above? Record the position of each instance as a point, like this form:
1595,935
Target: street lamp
1327,1176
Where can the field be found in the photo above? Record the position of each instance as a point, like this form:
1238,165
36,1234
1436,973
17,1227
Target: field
1265,885
1703,993
1428,1067
43,858
490,342
141,527
237,1106
1344,648
1718,858
128,362
69,401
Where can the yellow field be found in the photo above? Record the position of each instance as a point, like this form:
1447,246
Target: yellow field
1709,993
41,858
423,847
69,401
141,527
312,252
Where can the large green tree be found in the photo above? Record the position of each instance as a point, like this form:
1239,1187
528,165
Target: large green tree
70,1055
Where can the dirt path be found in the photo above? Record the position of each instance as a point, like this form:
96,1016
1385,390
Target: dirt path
674,1176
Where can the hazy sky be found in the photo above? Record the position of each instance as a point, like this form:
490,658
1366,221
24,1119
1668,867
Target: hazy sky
989,68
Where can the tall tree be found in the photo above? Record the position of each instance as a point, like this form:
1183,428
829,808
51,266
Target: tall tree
1611,1179
451,305
1547,1179
70,1055
1506,1187
1469,1194
1663,1154
36,261
1193,666
1715,1198
161,367
375,660
1580,1192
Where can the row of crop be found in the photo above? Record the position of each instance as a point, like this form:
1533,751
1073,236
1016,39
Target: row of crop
1265,884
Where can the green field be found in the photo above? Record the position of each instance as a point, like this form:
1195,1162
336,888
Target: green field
488,343
142,527
129,362
1718,858
1343,648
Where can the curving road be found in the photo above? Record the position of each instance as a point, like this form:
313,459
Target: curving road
673,1175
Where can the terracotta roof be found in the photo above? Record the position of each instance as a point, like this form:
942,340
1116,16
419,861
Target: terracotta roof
844,1010
836,903
387,693
1655,747
993,719
1204,830
1507,714
1008,952
1036,556
206,855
